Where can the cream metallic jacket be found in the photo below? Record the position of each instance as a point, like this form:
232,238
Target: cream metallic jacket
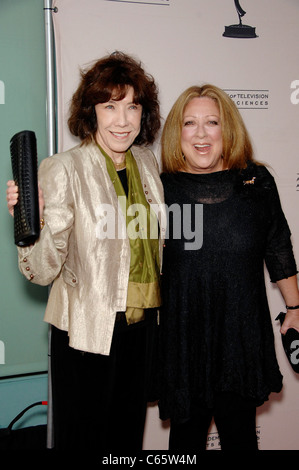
89,272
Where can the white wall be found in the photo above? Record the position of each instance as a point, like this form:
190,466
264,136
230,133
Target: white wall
181,43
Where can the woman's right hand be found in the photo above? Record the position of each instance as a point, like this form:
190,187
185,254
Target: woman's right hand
12,194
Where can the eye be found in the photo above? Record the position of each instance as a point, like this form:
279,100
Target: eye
213,123
134,106
109,106
188,123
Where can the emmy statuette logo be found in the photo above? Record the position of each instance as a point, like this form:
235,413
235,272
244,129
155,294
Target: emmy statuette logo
239,30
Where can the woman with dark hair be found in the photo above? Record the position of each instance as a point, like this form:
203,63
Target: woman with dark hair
218,353
97,86
104,266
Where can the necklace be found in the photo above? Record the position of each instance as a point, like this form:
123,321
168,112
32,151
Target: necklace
119,166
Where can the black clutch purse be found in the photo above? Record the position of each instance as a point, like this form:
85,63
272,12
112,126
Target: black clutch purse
23,152
290,342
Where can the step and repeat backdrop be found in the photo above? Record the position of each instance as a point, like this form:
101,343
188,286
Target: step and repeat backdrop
187,42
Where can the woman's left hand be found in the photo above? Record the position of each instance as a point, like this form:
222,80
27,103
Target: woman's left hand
291,321
289,290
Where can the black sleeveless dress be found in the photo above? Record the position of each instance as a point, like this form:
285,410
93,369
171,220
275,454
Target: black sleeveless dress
216,330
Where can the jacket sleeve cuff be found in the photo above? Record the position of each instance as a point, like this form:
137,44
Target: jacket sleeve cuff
40,263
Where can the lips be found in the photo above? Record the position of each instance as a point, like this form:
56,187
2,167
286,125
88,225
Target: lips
120,134
202,148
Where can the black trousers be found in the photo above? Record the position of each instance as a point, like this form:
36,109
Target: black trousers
99,402
236,428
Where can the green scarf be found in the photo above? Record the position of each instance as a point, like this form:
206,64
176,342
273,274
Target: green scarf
144,277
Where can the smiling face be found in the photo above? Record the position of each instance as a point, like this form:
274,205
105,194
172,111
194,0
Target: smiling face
201,138
118,125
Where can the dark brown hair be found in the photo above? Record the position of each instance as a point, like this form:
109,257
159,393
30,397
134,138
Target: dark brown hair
112,75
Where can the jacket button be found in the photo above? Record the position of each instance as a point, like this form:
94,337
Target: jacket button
31,277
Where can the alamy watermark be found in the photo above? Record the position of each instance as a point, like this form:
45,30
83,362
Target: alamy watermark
295,354
295,93
2,92
2,352
187,222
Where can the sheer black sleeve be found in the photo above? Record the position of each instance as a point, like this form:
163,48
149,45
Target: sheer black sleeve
279,255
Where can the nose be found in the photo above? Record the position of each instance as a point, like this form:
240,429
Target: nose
122,118
201,130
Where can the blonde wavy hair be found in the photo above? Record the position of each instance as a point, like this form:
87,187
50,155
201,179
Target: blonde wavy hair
237,147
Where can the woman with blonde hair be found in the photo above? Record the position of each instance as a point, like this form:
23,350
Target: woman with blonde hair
217,346
237,148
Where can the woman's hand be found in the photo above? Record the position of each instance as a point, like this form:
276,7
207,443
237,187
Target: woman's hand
291,321
12,194
290,292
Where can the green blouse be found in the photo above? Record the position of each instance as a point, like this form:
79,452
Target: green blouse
142,230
